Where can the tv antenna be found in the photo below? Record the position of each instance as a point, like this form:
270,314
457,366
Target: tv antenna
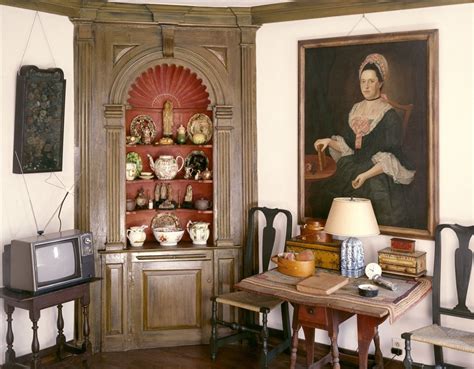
59,207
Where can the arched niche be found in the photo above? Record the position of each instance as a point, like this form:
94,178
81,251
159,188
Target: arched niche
215,77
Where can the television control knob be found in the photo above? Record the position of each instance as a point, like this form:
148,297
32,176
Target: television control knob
87,240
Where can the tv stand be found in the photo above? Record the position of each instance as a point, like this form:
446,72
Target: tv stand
34,304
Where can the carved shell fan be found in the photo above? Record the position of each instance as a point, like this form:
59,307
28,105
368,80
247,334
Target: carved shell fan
168,82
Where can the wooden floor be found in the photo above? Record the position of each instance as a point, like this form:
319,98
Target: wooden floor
186,357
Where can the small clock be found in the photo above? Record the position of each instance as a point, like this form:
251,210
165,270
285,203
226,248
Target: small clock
373,269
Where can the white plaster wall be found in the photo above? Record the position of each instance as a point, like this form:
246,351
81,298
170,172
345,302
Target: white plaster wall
277,121
16,220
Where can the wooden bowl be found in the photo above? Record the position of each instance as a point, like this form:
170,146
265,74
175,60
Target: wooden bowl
295,268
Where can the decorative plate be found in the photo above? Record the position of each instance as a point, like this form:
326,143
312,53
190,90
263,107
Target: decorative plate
140,123
200,123
196,160
165,220
134,157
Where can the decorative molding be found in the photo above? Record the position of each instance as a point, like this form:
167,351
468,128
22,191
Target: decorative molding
222,175
167,34
219,52
120,50
103,11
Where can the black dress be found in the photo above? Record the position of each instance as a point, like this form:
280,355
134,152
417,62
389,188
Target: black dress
389,199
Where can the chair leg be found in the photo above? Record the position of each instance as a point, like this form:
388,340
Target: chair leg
264,336
213,340
407,361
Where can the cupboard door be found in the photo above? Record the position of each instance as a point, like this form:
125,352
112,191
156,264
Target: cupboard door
170,298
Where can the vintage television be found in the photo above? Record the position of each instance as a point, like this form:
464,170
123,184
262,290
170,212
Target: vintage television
48,262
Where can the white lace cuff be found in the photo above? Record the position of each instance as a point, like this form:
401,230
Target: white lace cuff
392,167
345,149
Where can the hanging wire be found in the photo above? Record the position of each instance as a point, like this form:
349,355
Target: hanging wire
40,232
363,17
37,15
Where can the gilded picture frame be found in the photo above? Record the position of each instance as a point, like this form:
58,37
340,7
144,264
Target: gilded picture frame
330,86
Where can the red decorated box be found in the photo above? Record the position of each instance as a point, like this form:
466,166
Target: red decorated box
402,245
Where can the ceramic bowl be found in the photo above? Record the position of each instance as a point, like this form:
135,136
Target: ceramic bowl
168,236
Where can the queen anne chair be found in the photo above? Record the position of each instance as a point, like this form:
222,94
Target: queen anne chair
439,334
250,302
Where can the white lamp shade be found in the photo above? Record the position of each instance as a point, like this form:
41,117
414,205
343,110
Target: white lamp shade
351,217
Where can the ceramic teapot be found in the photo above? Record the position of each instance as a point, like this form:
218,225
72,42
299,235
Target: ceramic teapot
198,231
136,235
166,166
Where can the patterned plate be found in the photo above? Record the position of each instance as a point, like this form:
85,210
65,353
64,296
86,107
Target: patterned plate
197,160
165,220
200,123
140,123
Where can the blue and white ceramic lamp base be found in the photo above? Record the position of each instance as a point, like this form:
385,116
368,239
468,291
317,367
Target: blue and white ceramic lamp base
352,258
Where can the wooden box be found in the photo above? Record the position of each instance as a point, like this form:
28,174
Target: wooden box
327,255
402,263
402,245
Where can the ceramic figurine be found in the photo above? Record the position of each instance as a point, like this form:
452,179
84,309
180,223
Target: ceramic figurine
181,135
141,200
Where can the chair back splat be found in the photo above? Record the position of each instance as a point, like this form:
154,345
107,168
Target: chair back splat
268,238
438,334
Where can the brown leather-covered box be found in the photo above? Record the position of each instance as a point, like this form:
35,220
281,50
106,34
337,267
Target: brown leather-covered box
402,244
327,255
402,263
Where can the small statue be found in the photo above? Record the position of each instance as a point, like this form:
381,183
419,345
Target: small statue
167,118
146,135
188,172
163,192
188,198
141,200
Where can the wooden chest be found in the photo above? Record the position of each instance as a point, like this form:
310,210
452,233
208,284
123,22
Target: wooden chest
402,263
327,255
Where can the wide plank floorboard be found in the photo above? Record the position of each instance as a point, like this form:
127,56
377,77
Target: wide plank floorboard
235,356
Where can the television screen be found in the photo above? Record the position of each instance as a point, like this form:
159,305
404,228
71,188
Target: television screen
47,257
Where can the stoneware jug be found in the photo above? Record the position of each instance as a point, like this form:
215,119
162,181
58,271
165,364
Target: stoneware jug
198,231
136,235
166,166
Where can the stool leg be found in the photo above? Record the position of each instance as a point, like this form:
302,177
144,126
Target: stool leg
407,361
10,353
264,335
60,339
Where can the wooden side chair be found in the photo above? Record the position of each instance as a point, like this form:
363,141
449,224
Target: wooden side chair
438,334
251,302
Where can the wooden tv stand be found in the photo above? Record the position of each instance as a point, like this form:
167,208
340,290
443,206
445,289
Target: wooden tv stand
34,304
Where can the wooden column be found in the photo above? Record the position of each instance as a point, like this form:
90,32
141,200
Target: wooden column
83,72
222,175
249,124
114,127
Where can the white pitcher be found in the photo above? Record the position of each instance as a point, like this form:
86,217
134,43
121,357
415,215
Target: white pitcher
198,231
166,166
136,235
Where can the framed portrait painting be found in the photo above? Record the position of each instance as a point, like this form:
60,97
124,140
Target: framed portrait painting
368,127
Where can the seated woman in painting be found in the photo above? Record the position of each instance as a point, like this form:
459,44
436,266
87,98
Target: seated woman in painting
368,153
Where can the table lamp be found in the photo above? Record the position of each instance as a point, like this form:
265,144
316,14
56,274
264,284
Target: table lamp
352,217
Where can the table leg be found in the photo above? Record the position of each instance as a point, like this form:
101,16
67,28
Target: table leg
334,320
86,345
309,343
294,338
366,331
378,351
60,339
35,346
10,353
